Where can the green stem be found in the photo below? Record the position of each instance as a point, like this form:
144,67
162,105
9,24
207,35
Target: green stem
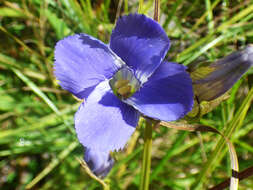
146,160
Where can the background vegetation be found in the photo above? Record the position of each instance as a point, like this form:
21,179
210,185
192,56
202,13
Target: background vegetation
38,146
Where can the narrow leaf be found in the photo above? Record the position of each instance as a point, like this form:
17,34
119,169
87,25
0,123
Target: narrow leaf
203,128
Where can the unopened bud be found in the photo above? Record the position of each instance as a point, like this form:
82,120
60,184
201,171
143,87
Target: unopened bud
212,81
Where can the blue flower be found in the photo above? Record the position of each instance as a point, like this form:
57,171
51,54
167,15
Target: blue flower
121,81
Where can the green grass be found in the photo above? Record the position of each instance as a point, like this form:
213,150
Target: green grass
38,145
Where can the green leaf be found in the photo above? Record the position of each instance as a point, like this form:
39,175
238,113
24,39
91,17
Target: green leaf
58,25
7,103
229,129
9,12
202,128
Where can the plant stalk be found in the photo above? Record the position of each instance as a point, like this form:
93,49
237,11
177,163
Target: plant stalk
157,10
146,160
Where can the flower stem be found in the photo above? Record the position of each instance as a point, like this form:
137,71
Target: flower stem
157,11
146,160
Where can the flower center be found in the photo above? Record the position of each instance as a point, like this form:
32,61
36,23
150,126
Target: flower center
124,84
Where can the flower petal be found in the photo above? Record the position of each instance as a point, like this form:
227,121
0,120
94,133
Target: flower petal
141,43
104,122
100,163
81,62
168,94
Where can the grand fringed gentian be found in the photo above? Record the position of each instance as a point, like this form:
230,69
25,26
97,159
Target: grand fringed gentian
119,82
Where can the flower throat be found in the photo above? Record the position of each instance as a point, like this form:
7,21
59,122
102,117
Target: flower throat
124,84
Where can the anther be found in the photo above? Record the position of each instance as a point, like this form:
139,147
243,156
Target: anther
121,83
124,91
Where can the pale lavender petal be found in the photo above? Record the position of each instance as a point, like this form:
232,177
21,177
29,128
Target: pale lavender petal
103,122
81,62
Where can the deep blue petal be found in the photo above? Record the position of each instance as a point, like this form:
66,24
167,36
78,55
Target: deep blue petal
168,94
141,43
81,62
103,122
99,162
